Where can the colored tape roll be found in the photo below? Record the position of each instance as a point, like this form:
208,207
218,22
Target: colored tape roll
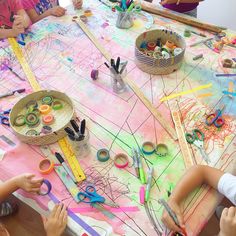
103,155
31,132
57,105
121,160
83,18
187,33
44,109
161,150
48,190
169,44
227,63
47,100
151,46
48,119
177,51
148,148
46,166
94,74
19,120
46,129
31,119
165,54
88,13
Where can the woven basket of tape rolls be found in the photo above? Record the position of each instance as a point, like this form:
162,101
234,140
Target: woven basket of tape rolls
40,118
159,51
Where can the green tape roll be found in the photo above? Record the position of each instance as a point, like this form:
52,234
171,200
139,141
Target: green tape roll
47,100
103,155
19,120
31,119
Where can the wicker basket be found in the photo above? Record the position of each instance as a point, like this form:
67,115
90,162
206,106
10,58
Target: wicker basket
159,66
62,118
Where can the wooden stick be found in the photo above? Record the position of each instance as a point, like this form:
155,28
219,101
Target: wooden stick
153,8
132,85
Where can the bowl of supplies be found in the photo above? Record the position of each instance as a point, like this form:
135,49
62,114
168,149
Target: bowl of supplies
159,51
40,118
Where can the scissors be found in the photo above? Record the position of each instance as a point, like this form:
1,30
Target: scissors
4,117
91,195
216,118
197,139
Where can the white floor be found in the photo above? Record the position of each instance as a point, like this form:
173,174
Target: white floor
219,12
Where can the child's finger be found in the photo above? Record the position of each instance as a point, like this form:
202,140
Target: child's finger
58,211
34,190
63,211
36,181
54,210
171,224
181,220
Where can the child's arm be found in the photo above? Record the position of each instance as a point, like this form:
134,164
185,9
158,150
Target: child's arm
77,4
181,1
55,11
194,177
24,17
25,182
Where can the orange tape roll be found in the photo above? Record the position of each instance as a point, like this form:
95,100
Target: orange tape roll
44,109
88,13
170,44
46,166
48,119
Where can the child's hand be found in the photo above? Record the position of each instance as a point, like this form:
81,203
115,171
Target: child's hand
58,11
228,222
77,4
167,220
168,2
28,183
55,224
18,25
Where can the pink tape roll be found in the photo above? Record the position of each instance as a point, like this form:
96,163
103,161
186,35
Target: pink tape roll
142,195
121,156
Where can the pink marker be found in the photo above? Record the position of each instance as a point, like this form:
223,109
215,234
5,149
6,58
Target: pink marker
142,194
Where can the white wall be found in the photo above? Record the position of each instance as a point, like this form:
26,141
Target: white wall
219,12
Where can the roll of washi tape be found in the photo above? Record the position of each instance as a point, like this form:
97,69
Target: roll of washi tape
158,43
88,13
94,74
121,160
161,150
34,110
19,120
143,45
44,109
103,155
177,51
47,100
166,49
31,103
46,166
157,49
31,119
83,18
46,129
148,148
165,54
32,132
227,63
57,105
187,33
151,46
142,195
48,119
44,192
169,44
157,54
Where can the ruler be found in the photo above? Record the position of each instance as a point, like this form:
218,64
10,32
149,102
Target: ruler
133,86
188,160
67,149
25,66
71,158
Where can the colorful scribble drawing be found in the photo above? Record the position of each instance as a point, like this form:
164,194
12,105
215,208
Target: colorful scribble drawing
62,57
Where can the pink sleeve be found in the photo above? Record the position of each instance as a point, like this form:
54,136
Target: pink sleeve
29,4
18,5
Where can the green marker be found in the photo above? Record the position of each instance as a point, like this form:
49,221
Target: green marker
118,8
130,7
149,183
141,171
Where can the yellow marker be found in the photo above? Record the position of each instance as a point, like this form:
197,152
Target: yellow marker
231,87
71,158
185,92
203,95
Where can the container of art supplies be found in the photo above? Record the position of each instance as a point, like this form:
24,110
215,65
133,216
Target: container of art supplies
167,56
124,20
117,83
81,147
59,106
